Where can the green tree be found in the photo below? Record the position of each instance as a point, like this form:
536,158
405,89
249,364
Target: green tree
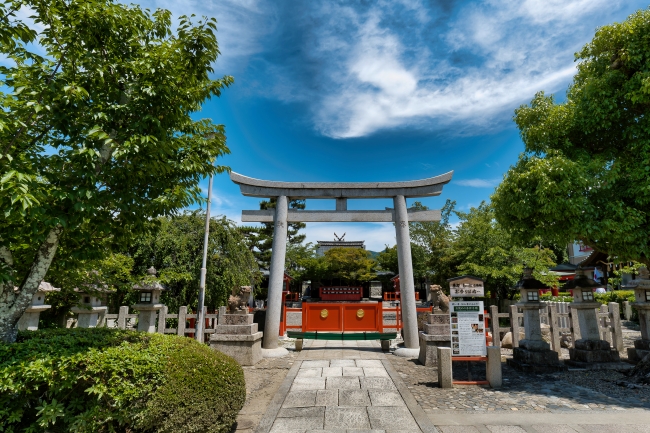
350,264
175,249
96,131
435,238
483,248
388,260
585,173
263,238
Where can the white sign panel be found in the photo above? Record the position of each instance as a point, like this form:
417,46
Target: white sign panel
466,287
467,323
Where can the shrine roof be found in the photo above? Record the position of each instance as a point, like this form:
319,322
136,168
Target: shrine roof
252,187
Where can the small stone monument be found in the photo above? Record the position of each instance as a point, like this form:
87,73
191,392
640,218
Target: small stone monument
237,336
90,309
376,290
149,291
589,351
29,320
533,354
436,334
641,288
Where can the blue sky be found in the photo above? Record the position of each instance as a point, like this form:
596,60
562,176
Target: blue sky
386,90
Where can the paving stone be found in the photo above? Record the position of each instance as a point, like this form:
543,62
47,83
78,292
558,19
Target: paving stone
352,371
305,383
369,363
310,372
327,397
377,383
550,428
300,399
380,397
342,363
332,371
346,417
343,383
320,363
304,412
354,397
375,372
457,429
391,418
505,429
605,428
285,425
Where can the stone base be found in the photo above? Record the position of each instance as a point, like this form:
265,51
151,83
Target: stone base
245,349
535,358
278,352
636,355
406,352
592,351
385,345
298,345
535,361
428,355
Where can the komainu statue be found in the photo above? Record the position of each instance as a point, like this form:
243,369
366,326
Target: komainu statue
440,300
238,299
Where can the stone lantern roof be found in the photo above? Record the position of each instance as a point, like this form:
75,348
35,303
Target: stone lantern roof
581,281
529,282
150,283
643,282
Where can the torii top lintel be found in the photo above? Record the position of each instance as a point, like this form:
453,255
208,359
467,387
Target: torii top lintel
252,187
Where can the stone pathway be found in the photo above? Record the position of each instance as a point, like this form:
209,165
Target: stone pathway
344,386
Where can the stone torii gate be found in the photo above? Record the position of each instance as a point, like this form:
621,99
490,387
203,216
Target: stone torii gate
341,192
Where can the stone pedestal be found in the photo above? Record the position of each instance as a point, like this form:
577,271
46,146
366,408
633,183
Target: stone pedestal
590,351
237,336
639,351
147,316
436,334
375,290
534,354
89,317
29,320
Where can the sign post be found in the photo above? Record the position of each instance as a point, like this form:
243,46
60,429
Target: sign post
467,324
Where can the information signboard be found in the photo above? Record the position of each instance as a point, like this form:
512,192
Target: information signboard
467,324
466,287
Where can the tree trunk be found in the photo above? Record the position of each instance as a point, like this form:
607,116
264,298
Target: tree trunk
14,303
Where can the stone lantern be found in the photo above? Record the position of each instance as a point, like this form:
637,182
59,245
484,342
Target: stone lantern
641,288
29,320
533,353
590,348
90,308
149,292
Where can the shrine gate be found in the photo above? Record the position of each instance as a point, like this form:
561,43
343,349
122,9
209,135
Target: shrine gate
341,192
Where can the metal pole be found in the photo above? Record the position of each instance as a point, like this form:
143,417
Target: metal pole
200,319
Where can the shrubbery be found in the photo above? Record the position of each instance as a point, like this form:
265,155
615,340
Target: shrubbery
102,380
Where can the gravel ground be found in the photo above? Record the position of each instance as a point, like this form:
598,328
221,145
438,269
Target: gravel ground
573,390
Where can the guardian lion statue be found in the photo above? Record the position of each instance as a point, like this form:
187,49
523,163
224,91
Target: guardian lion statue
440,300
239,299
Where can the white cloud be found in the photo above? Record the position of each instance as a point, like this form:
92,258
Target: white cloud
381,76
478,183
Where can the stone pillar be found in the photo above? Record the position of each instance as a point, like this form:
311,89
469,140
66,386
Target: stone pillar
276,275
407,289
445,379
493,367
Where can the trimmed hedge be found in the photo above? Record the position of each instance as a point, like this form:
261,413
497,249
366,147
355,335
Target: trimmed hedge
103,380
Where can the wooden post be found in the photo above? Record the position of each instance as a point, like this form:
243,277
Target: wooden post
553,327
180,329
494,324
615,321
514,325
162,320
121,317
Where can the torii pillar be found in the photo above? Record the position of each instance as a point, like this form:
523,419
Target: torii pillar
281,216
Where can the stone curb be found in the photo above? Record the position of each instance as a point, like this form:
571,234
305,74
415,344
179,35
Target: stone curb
274,406
420,417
